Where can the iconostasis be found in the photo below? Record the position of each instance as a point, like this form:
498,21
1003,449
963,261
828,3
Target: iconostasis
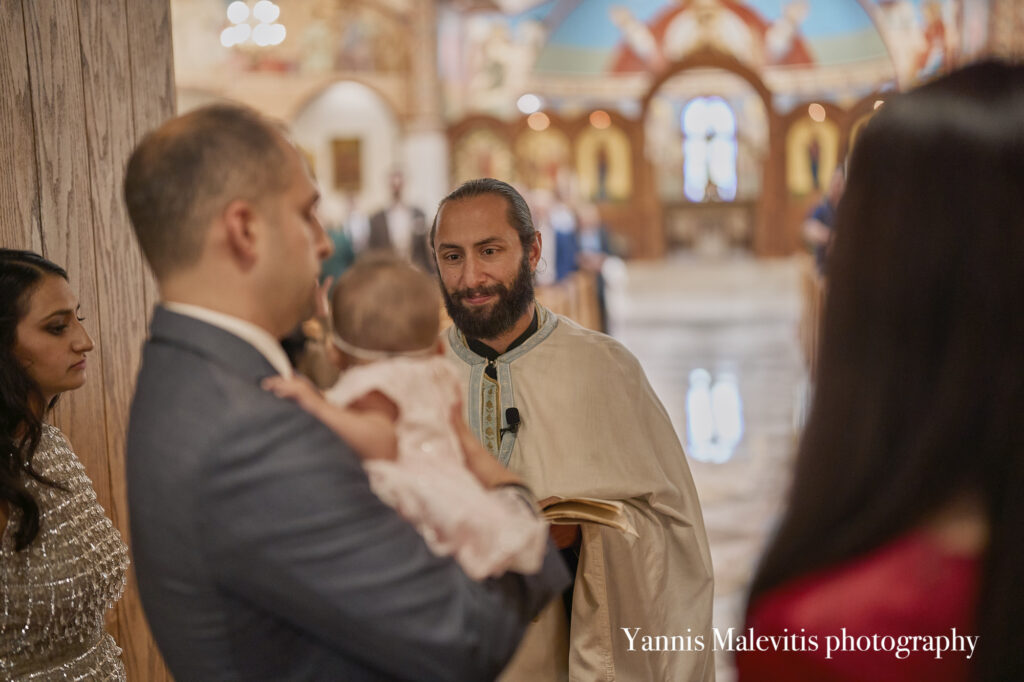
726,112
675,118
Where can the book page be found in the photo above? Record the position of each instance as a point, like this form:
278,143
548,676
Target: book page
587,510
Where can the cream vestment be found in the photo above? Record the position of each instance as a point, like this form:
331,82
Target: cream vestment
591,426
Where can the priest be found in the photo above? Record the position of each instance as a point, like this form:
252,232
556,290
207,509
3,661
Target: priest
572,412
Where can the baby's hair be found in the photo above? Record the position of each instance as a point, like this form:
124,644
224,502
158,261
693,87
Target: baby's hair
383,303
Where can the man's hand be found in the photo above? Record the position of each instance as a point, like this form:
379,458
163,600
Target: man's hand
816,232
298,389
370,432
565,535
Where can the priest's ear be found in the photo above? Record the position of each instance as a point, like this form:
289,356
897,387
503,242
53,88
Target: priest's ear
534,251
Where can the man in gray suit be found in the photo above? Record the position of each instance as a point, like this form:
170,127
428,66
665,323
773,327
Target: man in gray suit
261,552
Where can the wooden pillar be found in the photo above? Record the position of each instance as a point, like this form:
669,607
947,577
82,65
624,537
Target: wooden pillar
80,82
770,231
425,151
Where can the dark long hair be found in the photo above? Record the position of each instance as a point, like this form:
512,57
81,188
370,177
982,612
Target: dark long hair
920,393
21,425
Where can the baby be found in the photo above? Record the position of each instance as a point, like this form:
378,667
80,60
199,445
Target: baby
396,380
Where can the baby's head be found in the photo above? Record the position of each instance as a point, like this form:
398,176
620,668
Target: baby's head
385,305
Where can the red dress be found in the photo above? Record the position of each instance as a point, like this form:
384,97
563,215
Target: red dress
909,587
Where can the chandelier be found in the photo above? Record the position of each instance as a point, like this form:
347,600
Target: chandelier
262,32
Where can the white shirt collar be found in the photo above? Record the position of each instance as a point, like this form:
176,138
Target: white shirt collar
399,218
255,336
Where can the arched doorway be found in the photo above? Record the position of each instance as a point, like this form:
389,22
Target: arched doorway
352,137
743,215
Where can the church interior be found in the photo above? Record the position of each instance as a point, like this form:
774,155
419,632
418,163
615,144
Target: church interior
680,144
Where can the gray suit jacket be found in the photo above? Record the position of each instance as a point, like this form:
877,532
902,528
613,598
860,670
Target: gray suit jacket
262,553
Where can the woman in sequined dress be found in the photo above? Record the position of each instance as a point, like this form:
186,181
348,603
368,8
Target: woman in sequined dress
62,563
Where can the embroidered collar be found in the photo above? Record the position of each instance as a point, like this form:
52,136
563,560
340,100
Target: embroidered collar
546,321
481,348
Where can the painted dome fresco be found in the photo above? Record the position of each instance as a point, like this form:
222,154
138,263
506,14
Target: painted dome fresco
621,36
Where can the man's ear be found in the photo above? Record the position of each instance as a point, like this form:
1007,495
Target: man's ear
241,231
535,249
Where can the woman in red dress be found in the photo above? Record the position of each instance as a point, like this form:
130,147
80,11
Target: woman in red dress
903,530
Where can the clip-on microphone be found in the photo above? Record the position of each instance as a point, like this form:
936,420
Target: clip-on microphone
513,420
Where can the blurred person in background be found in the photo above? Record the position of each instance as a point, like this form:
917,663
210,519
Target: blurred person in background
357,223
820,224
905,512
401,228
338,221
564,227
594,250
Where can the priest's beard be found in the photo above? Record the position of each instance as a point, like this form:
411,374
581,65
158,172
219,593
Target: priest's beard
511,304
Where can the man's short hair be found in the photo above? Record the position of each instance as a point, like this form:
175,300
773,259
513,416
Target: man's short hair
186,171
519,216
384,303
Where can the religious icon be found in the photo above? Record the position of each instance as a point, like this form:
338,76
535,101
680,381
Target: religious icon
604,164
812,152
482,153
347,156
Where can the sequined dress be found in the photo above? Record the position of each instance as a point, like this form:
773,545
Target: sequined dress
54,594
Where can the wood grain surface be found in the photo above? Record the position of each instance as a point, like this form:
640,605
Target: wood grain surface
80,81
19,179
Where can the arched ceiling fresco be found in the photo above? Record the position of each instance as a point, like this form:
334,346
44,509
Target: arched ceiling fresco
598,36
597,50
577,54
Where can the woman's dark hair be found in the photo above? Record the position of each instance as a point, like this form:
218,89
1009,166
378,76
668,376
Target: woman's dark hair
21,425
920,389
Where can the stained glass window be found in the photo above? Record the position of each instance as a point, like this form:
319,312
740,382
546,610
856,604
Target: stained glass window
709,150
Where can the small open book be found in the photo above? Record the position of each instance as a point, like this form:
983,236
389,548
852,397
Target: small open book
570,510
